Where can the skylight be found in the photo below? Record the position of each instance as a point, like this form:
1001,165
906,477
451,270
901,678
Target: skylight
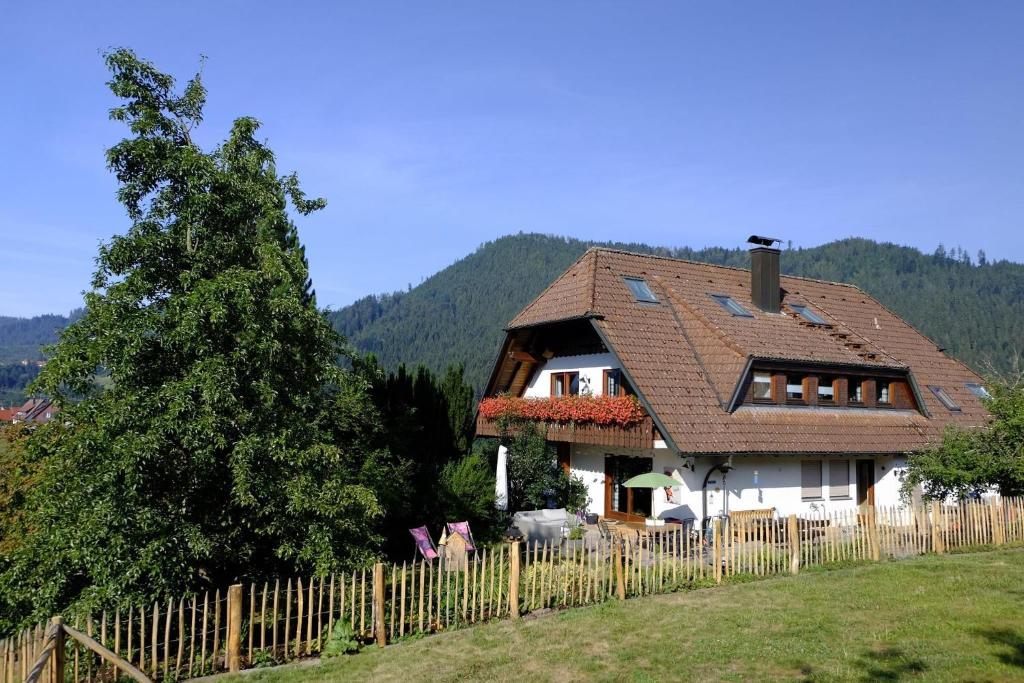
641,291
944,398
729,304
808,314
978,390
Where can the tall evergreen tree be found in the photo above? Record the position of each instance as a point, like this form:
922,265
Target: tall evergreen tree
228,442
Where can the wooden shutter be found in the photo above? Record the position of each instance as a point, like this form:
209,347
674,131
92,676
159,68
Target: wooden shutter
810,480
838,479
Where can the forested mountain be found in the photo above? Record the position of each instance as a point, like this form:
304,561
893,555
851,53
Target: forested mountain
23,338
974,310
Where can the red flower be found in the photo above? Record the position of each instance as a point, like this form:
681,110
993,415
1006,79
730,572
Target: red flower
622,411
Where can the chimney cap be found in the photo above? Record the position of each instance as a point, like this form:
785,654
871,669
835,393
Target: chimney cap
763,241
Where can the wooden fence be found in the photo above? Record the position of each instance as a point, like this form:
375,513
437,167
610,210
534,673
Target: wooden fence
246,626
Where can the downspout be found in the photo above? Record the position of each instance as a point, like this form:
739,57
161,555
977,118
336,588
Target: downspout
724,468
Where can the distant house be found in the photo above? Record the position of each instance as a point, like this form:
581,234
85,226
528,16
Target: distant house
759,392
35,411
7,415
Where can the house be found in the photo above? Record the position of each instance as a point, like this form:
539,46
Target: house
36,411
757,391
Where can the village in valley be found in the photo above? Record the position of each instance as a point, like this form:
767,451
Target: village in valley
342,343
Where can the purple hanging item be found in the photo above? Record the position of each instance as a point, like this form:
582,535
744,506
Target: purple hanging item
462,529
424,542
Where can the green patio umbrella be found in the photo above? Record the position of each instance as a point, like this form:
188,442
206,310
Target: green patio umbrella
651,480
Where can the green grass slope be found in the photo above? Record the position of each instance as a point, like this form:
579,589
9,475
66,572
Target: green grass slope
934,618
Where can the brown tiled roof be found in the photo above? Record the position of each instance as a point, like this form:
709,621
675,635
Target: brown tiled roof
687,355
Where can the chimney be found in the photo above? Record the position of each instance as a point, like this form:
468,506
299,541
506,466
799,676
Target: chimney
765,290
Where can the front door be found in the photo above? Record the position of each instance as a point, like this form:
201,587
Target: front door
623,503
865,482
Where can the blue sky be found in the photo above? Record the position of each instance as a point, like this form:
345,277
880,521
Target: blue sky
433,127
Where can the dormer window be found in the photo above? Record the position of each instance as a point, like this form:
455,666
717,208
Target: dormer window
826,390
565,384
945,399
795,388
729,304
855,391
762,386
641,290
882,393
808,314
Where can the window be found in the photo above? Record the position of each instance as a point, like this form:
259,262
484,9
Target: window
808,314
810,480
826,390
978,390
882,392
615,383
641,291
729,304
762,387
839,480
794,388
855,391
565,384
944,398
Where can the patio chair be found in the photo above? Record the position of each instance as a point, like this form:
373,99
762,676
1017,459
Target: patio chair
609,536
462,528
424,543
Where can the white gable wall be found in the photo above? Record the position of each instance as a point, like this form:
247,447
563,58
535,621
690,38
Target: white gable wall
590,366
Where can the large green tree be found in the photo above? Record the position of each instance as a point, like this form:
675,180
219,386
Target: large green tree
228,442
971,461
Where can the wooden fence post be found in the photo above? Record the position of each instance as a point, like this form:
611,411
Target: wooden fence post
793,532
876,547
995,511
937,540
378,604
620,579
59,653
513,580
716,536
234,644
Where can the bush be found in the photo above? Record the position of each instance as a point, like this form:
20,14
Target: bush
466,491
534,478
342,642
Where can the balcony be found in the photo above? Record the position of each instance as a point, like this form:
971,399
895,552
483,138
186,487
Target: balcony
639,435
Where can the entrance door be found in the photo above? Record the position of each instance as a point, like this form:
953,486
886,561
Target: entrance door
623,503
865,482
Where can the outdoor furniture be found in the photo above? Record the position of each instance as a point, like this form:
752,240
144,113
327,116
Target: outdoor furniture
424,543
542,525
461,529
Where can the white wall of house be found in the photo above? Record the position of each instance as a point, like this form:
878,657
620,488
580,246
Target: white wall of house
754,483
591,367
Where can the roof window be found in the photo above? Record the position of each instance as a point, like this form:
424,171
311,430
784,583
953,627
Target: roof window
944,398
978,390
808,314
729,304
641,291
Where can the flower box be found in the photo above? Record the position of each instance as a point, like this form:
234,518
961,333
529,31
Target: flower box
619,411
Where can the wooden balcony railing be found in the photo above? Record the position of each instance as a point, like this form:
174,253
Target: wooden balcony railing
640,435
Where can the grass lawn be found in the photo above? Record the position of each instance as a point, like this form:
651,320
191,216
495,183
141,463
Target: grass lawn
956,617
